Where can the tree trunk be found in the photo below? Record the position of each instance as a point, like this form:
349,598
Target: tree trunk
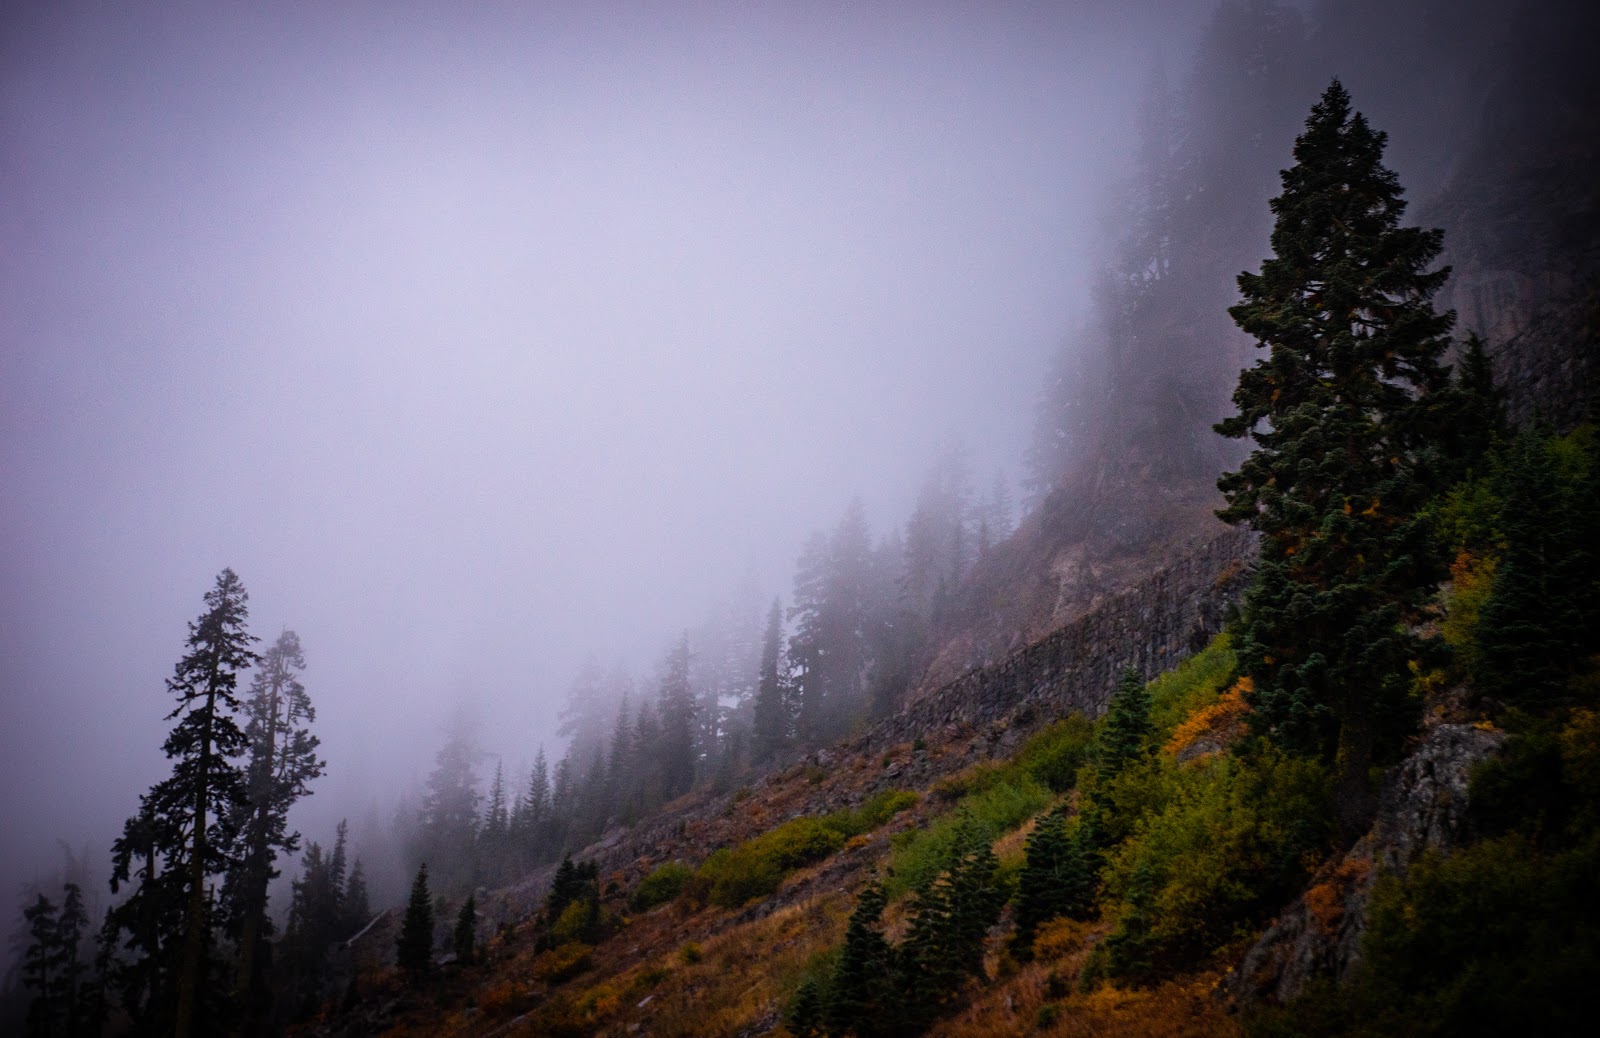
194,940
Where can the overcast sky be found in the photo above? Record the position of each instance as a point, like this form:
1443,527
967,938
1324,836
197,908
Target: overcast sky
478,342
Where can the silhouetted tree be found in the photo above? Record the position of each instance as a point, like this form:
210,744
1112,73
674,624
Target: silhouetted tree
771,720
414,948
283,761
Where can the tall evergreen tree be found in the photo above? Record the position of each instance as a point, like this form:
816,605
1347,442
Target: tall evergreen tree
677,712
39,967
1342,412
448,826
282,764
189,821
771,721
68,965
414,947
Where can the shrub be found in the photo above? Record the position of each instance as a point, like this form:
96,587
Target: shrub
561,963
661,886
1216,847
735,876
873,812
1053,756
1195,683
1001,806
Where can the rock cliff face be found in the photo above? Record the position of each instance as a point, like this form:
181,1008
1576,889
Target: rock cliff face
1151,627
1423,806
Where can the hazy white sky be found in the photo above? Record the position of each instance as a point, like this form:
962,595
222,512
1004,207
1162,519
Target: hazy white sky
475,342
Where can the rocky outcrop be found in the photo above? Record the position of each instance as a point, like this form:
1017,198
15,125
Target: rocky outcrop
1151,627
1423,806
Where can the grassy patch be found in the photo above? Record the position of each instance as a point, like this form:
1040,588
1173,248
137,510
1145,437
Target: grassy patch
1007,798
737,875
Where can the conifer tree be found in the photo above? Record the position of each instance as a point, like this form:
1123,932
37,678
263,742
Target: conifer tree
357,909
1342,412
806,1013
67,963
38,966
860,997
1055,879
1126,730
533,815
466,932
414,948
283,762
771,720
676,709
1537,626
189,821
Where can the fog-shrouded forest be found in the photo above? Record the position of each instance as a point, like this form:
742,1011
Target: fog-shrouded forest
454,455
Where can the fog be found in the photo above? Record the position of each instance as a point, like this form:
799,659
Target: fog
480,343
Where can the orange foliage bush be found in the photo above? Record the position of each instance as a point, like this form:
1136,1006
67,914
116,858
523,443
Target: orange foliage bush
1222,720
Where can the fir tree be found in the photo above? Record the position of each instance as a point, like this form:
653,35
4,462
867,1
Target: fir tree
356,910
1055,879
283,762
860,998
67,963
677,709
414,948
1342,412
1124,734
466,932
38,967
189,822
771,721
1537,626
806,1012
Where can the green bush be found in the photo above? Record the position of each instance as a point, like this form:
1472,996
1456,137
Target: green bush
873,812
735,876
999,807
662,885
1215,848
1053,756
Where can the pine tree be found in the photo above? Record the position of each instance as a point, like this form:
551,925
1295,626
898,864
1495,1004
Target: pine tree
38,966
1342,412
357,910
414,948
531,823
1056,880
466,932
1125,733
283,762
495,835
148,922
771,721
806,1012
189,822
67,963
860,998
449,821
1537,627
676,709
